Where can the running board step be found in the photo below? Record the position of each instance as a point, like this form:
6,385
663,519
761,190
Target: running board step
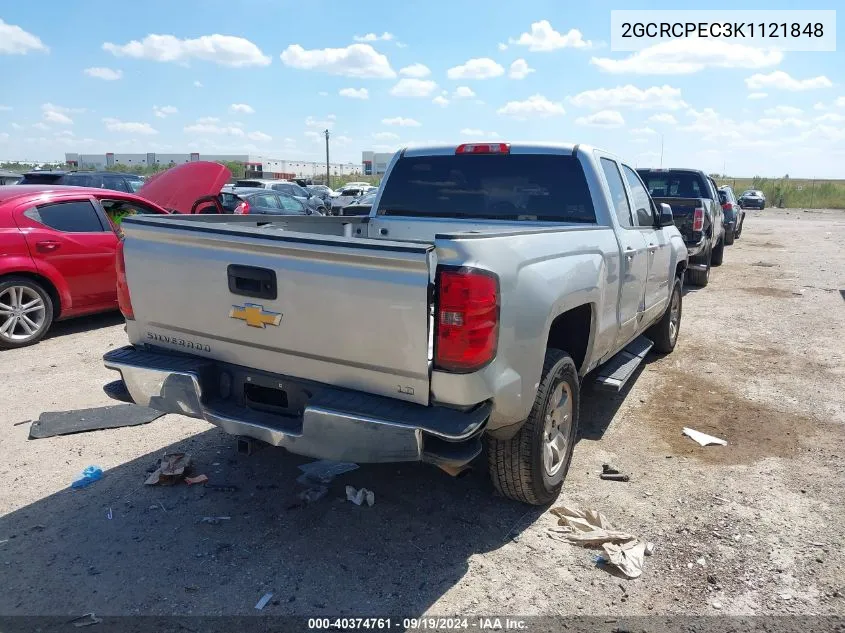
616,372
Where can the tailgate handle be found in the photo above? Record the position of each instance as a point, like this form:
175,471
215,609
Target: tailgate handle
249,281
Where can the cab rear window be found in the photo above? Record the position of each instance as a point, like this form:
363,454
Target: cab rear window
529,187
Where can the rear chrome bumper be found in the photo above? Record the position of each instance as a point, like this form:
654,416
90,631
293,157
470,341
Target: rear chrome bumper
332,423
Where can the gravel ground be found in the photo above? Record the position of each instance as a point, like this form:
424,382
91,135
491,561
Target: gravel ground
757,527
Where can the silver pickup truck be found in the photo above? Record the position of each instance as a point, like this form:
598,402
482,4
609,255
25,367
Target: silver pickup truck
486,283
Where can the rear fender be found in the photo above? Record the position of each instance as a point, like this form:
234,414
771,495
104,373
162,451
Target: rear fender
25,265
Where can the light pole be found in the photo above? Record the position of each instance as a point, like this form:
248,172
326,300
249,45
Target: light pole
328,175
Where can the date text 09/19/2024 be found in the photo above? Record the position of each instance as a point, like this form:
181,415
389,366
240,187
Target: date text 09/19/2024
416,624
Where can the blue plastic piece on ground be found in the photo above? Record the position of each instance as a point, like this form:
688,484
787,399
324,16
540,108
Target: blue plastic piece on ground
88,477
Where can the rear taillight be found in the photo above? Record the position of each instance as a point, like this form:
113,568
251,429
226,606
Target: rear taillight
483,148
242,208
124,302
698,220
727,207
467,327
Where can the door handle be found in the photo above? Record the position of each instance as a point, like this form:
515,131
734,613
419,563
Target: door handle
629,253
47,246
652,248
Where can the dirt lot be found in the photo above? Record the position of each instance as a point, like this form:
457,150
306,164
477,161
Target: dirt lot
757,527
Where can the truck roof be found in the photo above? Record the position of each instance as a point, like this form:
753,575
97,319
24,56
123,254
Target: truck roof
515,148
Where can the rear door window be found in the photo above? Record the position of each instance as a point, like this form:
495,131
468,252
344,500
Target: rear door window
530,187
116,183
291,204
285,188
265,201
617,193
78,216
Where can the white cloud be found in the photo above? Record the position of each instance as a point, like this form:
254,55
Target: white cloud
259,136
40,126
666,118
780,80
323,93
372,37
520,69
116,125
543,38
17,126
832,117
603,118
58,114
164,111
386,136
783,110
4,136
226,50
840,102
686,56
210,125
242,108
662,97
440,100
15,41
321,124
197,83
417,71
401,122
475,133
463,92
354,93
357,60
478,68
779,123
502,46
534,106
407,87
820,107
643,131
757,95
107,74
5,108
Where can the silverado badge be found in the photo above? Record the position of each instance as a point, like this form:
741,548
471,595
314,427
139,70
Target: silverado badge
255,315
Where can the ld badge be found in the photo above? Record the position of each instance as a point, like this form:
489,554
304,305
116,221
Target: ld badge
255,315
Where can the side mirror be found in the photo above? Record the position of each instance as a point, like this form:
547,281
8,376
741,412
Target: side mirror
666,218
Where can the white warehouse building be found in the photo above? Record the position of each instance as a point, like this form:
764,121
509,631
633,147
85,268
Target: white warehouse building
255,166
375,163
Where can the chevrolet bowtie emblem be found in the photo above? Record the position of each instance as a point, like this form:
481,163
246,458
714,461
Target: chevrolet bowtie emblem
255,315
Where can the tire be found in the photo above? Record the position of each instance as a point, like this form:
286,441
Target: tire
739,229
665,332
517,466
729,237
15,321
718,253
700,278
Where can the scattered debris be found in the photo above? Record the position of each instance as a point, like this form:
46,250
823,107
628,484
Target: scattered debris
85,620
171,469
54,423
222,488
649,549
701,561
323,471
109,515
591,528
717,606
22,423
263,602
214,520
359,496
199,479
88,477
614,477
312,494
5,540
702,438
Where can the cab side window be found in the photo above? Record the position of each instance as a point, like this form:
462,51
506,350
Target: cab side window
639,198
617,193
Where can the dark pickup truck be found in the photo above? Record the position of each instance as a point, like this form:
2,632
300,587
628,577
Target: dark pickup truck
693,196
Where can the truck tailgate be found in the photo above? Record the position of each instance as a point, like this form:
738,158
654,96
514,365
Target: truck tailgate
682,211
349,312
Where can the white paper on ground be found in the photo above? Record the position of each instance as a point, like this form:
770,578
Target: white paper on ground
703,438
359,496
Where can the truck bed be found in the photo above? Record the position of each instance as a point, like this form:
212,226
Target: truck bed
682,212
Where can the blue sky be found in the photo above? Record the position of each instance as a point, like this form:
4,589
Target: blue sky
268,77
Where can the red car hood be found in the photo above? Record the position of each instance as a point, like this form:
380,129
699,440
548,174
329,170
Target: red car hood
177,188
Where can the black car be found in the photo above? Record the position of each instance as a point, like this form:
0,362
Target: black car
359,206
734,214
321,191
128,183
753,199
261,201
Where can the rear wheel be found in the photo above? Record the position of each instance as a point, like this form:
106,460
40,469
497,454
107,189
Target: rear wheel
729,237
700,278
664,333
718,253
739,228
531,466
26,312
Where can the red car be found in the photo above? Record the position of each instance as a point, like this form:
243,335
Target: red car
57,245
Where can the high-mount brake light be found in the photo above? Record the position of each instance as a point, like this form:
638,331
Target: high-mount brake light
483,148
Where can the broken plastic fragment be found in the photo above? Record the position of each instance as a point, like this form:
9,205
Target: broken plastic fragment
702,438
263,602
359,496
